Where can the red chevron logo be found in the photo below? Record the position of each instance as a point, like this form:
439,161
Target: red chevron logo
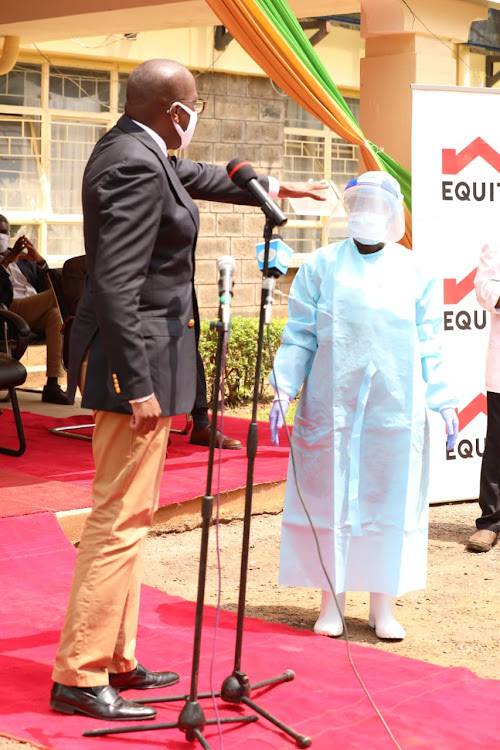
471,411
454,291
454,162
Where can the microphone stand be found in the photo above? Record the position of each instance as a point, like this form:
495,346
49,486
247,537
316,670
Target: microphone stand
191,719
236,688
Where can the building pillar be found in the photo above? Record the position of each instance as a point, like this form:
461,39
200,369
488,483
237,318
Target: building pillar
400,51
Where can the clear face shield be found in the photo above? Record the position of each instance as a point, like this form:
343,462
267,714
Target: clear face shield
374,205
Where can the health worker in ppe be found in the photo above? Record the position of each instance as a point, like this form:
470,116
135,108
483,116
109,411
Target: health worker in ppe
363,342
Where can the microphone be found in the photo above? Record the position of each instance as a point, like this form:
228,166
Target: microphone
244,176
226,266
279,256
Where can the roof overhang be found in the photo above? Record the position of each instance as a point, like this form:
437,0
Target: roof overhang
35,21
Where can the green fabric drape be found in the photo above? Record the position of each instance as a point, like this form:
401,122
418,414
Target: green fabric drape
281,16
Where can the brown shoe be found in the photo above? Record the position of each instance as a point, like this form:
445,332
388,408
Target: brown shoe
482,540
202,437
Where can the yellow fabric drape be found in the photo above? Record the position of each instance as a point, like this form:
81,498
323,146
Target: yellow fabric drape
246,22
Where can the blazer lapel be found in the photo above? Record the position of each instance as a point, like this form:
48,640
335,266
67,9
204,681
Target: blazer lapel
127,125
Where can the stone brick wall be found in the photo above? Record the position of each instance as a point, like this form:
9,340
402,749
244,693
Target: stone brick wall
245,117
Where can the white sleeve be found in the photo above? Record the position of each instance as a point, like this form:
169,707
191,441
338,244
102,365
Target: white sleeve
274,187
487,281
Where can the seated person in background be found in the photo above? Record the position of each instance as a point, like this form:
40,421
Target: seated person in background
25,290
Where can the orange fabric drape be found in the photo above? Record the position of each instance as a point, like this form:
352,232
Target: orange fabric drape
247,23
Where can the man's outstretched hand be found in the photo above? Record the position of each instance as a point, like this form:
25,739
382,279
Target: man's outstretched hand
312,189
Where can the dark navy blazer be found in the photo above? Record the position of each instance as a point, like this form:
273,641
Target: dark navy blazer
136,313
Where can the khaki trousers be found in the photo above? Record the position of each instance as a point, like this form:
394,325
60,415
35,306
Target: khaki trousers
41,313
100,628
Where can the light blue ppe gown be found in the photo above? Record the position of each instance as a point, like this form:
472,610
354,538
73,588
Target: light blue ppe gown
363,338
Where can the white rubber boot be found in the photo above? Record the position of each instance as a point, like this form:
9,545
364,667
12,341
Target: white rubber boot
382,618
329,621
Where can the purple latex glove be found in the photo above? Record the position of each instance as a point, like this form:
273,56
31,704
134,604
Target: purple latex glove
451,421
276,416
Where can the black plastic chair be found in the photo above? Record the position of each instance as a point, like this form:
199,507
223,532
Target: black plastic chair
12,372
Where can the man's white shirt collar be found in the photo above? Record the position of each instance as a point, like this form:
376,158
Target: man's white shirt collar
154,135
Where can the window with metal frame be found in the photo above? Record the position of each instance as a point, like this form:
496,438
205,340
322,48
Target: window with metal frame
50,118
311,151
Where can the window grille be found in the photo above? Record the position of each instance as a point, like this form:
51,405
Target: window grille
50,119
20,164
312,151
71,144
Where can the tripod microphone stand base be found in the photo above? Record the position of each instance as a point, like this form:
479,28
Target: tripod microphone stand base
235,689
193,732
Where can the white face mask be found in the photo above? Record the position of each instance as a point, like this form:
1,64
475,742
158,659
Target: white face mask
187,134
4,243
367,229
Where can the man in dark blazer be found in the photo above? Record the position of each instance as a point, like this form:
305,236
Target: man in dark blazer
136,322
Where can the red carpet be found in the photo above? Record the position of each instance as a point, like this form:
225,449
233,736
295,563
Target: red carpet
56,473
427,707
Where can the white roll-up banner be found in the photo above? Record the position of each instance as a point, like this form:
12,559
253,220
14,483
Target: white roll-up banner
455,211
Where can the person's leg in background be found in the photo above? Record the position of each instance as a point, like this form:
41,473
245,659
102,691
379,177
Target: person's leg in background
41,313
488,524
200,434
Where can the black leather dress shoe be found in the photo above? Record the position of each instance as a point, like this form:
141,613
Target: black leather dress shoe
101,702
141,678
202,437
53,394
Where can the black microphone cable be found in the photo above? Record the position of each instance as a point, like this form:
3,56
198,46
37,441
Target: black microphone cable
320,556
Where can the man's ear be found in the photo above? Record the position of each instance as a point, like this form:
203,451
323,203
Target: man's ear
174,113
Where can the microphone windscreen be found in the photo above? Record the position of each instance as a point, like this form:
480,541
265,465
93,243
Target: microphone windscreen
226,261
241,172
